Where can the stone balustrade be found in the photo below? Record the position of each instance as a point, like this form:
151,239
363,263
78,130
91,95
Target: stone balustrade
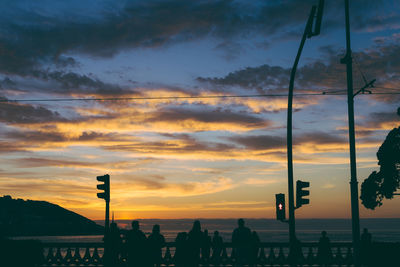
269,254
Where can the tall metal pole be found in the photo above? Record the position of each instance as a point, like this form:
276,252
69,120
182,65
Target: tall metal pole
353,167
107,221
292,225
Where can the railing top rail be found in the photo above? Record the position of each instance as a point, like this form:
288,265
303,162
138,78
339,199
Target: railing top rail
172,244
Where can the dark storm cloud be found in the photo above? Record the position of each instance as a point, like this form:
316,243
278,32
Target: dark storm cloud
208,116
381,15
189,144
259,142
264,76
31,38
270,142
378,119
56,137
45,38
7,83
70,82
40,185
36,136
46,162
185,144
8,147
15,113
193,144
319,138
381,62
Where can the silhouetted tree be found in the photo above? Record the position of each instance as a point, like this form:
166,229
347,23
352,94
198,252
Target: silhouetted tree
383,184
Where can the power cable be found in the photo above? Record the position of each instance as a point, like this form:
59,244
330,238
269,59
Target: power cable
334,93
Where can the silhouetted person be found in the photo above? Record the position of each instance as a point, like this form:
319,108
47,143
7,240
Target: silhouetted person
241,242
206,246
113,246
255,246
324,254
366,247
137,246
181,252
156,242
217,246
195,239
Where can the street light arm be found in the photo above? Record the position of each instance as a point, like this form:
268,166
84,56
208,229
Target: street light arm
307,31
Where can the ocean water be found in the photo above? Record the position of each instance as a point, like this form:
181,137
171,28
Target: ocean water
269,230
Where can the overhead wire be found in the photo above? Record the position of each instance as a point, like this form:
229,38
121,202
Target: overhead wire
331,93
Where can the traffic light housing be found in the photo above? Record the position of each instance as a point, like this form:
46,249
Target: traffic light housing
301,193
280,207
105,186
318,20
314,23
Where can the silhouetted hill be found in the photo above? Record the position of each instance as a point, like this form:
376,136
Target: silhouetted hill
20,217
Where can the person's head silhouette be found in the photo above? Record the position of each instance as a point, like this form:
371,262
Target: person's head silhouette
156,229
323,233
135,225
196,226
241,222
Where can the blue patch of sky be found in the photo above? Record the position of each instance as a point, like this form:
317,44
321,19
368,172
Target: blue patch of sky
71,10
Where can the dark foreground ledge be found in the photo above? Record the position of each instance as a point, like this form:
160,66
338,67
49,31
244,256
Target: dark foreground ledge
31,253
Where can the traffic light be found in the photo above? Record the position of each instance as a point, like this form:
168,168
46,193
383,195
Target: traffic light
314,23
318,19
280,207
300,193
104,186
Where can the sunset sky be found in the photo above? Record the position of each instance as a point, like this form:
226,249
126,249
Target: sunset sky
190,158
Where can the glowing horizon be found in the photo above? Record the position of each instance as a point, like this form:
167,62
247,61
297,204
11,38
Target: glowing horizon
193,157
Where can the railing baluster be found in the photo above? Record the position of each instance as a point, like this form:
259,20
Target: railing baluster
96,257
50,256
349,256
68,257
310,256
281,256
77,257
167,257
58,257
224,257
271,257
261,257
339,256
86,258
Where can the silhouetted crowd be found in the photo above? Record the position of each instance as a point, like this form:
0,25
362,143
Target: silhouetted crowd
196,245
190,247
133,249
